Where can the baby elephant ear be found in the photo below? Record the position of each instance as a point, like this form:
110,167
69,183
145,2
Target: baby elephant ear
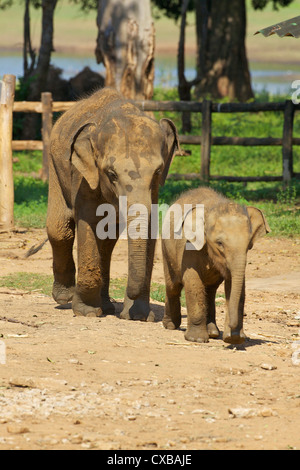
259,224
83,155
193,227
171,145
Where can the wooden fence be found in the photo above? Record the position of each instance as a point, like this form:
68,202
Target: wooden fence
47,107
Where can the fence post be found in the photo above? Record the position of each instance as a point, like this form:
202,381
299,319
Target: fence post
46,131
6,161
287,142
206,139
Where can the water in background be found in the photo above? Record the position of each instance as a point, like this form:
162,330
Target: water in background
274,81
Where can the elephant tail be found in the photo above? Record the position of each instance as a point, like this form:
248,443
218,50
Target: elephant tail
35,248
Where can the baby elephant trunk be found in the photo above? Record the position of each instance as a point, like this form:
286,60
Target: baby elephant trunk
236,300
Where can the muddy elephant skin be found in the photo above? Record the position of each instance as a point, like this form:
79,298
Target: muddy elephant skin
102,148
228,232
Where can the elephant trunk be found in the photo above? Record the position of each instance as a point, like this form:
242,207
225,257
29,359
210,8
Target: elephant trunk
235,309
138,232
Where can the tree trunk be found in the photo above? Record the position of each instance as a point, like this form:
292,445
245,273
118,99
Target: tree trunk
27,47
38,76
184,86
222,62
125,45
46,49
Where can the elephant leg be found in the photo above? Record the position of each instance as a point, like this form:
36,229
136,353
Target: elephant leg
172,316
212,328
237,336
196,307
105,249
140,309
61,234
87,297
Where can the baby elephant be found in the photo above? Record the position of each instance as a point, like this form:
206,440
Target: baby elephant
199,260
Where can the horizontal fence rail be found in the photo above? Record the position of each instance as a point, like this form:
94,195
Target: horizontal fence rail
47,107
239,141
180,106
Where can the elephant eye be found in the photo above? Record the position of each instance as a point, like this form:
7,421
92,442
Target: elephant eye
112,175
156,175
220,244
158,171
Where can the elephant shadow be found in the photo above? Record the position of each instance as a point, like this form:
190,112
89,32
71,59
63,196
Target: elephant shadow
157,309
249,343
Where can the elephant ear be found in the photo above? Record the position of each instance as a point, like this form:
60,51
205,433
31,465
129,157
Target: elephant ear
259,224
193,228
170,147
83,155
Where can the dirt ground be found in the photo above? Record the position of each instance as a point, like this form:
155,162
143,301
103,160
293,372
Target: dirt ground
104,383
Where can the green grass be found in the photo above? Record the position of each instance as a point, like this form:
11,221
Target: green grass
157,291
118,286
27,162
31,198
42,283
31,282
31,194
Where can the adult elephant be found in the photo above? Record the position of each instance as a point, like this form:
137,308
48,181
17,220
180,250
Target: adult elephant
102,148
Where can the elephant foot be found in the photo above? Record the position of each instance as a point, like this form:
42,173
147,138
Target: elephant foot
62,294
170,324
137,310
233,337
213,330
196,334
82,309
107,306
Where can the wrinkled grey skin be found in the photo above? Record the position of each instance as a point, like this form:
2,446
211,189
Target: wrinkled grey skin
102,148
221,255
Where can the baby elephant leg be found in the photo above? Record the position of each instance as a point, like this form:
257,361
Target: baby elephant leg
196,308
172,316
212,328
